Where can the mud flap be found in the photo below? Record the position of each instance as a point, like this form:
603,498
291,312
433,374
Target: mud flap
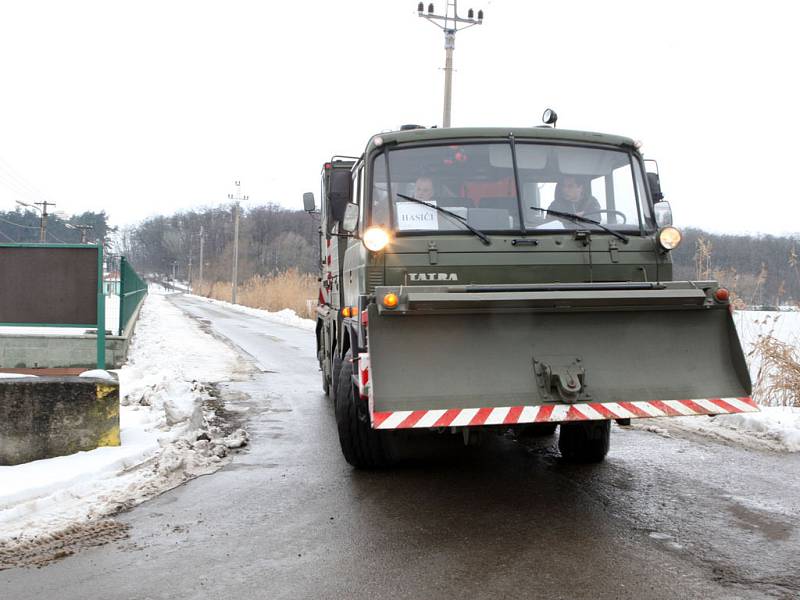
632,359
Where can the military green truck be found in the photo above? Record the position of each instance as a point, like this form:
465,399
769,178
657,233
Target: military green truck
494,279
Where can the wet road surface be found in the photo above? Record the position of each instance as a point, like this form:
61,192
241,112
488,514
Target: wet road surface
663,517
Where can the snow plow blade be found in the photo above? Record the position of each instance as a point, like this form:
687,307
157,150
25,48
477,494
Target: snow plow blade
476,356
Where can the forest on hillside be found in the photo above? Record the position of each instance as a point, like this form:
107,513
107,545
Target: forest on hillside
272,240
24,226
761,270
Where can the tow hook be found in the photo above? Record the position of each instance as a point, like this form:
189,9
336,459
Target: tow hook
561,380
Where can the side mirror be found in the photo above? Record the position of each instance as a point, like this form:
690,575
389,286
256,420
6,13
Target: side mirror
340,192
350,218
663,213
308,202
654,181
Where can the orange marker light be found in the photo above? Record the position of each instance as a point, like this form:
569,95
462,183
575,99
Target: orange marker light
722,295
391,300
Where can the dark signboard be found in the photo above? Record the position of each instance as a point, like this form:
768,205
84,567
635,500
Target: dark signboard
48,285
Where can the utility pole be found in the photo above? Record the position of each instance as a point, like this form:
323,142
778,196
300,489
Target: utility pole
84,229
43,222
235,276
42,216
450,27
201,254
190,262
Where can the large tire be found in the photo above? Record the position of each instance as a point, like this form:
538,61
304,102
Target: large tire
362,446
585,442
336,367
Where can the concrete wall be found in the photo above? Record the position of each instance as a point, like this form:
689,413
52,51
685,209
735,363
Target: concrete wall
42,417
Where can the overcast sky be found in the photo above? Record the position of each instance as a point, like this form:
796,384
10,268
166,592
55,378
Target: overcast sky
150,107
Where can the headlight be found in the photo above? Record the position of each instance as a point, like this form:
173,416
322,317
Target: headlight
376,238
669,238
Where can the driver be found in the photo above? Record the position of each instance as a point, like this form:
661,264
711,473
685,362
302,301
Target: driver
572,196
423,188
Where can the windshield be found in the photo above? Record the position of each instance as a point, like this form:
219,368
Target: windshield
477,183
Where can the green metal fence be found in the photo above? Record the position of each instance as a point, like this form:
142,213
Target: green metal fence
132,290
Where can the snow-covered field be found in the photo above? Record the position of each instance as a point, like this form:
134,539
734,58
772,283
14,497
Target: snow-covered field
161,417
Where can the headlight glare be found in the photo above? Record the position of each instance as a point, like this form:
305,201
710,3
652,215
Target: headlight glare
376,238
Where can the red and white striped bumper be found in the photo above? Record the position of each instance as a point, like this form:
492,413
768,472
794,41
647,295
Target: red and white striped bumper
557,413
549,413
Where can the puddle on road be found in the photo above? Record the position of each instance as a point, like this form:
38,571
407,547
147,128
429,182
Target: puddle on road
759,522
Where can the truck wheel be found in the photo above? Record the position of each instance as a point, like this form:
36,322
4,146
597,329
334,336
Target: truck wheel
585,442
362,446
336,367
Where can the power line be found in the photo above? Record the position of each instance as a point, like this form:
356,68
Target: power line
58,239
27,186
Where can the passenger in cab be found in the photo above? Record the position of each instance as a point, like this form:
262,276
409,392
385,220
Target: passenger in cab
572,196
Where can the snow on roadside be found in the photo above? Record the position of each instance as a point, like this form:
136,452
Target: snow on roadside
285,317
774,427
165,435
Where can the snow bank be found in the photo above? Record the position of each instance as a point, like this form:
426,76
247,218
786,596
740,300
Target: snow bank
774,428
164,430
285,317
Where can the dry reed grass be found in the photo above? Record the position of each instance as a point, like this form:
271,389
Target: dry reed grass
290,289
778,379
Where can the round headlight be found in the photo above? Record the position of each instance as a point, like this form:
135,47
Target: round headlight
669,238
376,238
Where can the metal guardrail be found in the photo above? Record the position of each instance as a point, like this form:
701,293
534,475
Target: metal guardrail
132,291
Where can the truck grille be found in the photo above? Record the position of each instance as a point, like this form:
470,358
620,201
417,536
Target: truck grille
374,279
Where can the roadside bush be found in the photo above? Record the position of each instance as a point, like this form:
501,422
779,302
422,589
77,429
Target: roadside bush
777,381
290,289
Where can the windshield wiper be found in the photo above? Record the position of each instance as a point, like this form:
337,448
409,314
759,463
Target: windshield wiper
580,219
459,218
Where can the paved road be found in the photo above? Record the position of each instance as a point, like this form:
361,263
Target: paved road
663,517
